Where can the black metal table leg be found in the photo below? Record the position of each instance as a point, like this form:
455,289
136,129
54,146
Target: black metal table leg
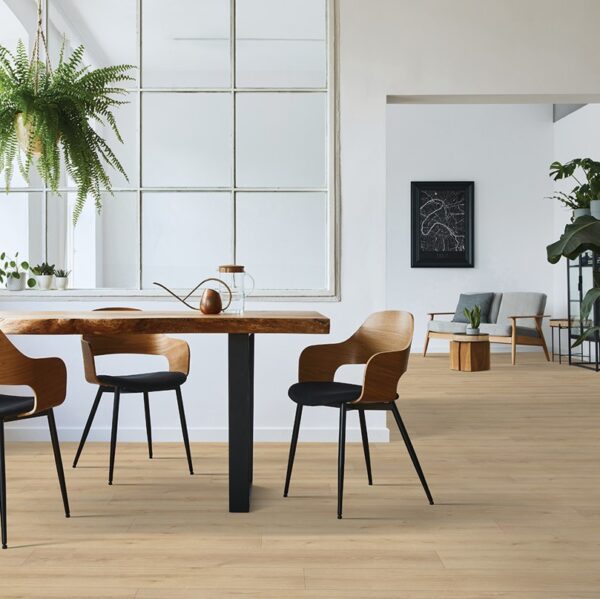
241,424
559,347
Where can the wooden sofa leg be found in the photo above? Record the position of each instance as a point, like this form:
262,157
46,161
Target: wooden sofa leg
426,344
514,351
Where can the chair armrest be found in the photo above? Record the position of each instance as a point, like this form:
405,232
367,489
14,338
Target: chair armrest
178,355
47,377
318,363
49,383
432,315
382,373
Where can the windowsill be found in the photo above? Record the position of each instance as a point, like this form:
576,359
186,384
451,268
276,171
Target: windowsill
56,295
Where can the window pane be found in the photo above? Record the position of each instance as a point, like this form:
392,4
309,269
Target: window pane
185,237
282,239
281,43
107,30
186,140
21,226
281,140
102,251
185,43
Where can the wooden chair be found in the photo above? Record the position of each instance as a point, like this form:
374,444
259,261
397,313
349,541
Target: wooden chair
383,344
47,378
177,353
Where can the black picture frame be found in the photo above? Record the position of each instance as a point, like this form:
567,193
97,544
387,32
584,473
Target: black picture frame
448,242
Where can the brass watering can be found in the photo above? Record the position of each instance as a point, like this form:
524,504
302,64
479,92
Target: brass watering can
210,302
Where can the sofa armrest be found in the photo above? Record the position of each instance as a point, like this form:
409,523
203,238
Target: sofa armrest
531,316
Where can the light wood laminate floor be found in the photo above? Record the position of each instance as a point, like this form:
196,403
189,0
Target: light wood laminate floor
511,456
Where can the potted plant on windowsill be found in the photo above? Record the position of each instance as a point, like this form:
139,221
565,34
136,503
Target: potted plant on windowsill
61,278
44,274
474,318
45,111
14,272
585,196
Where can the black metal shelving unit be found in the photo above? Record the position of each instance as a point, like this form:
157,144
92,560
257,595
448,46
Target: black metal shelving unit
580,278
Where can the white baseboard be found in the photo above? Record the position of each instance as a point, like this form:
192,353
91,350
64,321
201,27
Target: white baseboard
18,432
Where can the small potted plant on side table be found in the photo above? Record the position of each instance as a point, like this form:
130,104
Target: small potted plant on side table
61,278
14,272
474,318
44,273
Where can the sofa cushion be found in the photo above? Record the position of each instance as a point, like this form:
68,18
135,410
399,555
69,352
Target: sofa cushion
445,326
495,307
470,300
521,304
505,330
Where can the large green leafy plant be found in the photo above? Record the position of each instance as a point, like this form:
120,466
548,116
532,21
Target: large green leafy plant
579,237
48,112
585,190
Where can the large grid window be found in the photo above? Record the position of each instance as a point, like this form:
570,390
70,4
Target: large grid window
229,146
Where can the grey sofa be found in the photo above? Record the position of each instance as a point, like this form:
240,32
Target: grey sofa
515,318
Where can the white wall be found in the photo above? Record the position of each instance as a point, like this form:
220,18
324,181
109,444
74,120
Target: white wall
505,149
386,47
575,136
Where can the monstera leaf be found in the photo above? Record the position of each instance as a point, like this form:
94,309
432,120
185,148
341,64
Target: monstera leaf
580,236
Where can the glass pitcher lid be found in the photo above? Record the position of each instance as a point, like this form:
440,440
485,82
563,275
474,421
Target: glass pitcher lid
233,268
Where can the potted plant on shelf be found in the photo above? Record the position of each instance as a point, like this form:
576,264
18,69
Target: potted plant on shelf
61,278
474,318
45,111
14,272
579,237
44,273
585,196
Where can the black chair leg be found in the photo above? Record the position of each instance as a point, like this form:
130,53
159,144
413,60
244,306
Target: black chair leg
293,445
113,435
365,442
411,451
58,461
2,485
88,426
184,430
341,459
148,423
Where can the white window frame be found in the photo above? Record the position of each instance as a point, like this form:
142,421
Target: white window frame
332,292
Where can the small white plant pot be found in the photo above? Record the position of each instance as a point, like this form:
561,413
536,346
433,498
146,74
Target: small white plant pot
14,284
61,282
472,331
595,208
44,281
577,212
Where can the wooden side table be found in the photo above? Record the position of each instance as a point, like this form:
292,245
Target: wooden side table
470,353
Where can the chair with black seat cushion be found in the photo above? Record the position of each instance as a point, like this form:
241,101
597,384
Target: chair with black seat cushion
177,353
47,378
383,344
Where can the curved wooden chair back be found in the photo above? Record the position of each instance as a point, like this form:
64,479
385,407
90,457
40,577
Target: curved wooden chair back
382,343
47,377
176,351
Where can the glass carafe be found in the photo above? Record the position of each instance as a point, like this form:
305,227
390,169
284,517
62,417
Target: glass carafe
241,284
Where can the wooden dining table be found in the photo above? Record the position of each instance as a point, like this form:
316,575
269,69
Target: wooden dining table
240,329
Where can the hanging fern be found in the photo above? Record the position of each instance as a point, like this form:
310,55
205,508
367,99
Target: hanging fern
58,108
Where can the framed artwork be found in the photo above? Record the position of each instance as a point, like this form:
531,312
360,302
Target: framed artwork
442,224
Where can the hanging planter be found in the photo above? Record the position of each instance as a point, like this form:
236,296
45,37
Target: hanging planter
46,118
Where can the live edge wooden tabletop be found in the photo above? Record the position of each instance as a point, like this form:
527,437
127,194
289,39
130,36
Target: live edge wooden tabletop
174,321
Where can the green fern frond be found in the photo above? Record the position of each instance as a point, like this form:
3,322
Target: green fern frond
59,108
